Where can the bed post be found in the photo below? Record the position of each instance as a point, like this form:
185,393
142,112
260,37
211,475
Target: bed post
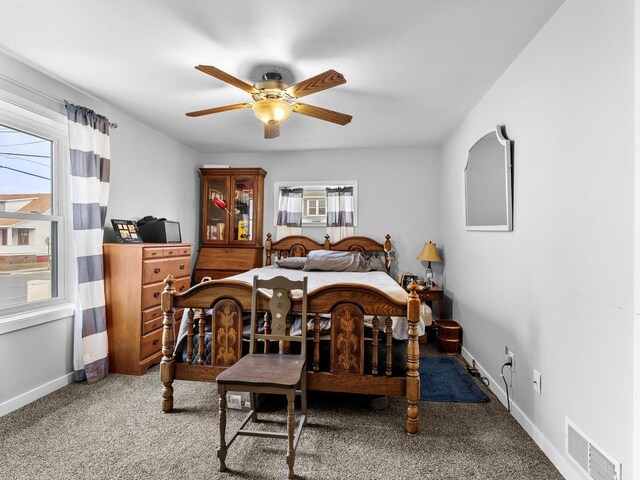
267,250
413,359
168,344
387,251
327,243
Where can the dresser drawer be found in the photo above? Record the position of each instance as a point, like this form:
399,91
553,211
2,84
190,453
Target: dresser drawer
179,267
151,344
151,325
182,284
152,319
151,293
153,253
154,271
151,314
177,251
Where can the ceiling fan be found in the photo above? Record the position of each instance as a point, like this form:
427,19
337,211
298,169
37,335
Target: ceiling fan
273,99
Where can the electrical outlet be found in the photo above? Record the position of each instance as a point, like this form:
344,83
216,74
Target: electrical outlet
234,401
510,357
537,382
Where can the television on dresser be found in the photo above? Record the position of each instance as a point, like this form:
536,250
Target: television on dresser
160,231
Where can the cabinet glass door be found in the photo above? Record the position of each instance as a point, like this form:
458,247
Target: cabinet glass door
217,211
243,204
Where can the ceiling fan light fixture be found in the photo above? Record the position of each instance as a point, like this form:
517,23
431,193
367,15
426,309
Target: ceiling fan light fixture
274,98
270,111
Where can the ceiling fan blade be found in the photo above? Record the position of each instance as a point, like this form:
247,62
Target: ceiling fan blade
271,131
320,82
208,111
322,113
225,77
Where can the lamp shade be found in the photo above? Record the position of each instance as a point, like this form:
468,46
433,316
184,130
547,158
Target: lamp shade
429,253
271,111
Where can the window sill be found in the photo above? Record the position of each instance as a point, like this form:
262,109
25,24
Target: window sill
32,318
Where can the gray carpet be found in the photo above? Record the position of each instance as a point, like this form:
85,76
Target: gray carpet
115,430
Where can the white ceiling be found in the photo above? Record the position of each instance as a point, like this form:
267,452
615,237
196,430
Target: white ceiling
414,69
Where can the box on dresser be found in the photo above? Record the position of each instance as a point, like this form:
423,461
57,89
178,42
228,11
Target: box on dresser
134,275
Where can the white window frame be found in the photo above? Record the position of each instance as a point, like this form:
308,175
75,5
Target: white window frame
314,185
21,114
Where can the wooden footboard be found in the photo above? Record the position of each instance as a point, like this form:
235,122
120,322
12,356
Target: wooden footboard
346,303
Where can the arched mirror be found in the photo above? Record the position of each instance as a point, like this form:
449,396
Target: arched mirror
488,183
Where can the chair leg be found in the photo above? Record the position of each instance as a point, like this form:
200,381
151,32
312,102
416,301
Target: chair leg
291,426
222,423
303,396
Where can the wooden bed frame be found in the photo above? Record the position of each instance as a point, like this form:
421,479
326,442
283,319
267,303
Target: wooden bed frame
346,303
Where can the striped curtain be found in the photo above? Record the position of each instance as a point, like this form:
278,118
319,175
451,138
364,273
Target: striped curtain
289,212
90,164
339,213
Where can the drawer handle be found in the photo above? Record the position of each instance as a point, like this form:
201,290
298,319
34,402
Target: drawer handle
181,287
156,270
156,294
155,342
182,267
170,252
153,254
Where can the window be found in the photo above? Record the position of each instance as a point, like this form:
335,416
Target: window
314,198
23,236
33,150
315,206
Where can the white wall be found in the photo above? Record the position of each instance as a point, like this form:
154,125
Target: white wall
558,290
398,191
636,323
151,174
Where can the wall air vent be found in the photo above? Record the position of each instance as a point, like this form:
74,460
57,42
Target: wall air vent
590,456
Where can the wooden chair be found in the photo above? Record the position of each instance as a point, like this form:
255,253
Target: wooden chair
283,374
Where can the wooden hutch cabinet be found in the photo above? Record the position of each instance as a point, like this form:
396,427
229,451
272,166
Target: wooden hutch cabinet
231,239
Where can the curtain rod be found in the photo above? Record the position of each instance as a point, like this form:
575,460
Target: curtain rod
42,94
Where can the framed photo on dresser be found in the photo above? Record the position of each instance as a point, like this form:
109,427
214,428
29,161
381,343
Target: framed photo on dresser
126,231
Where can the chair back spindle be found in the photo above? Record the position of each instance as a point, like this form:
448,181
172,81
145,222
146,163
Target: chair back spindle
279,312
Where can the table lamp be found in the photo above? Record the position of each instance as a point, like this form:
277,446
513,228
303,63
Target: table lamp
429,254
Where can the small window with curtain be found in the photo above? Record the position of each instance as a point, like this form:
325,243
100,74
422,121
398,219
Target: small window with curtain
314,201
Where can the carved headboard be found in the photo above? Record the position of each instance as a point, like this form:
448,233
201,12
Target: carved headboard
299,246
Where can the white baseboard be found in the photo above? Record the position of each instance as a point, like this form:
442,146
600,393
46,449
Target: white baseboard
557,457
32,395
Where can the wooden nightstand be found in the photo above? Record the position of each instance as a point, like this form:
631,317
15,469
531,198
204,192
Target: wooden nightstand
433,294
430,295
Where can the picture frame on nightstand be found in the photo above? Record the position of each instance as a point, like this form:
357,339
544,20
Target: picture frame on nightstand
407,279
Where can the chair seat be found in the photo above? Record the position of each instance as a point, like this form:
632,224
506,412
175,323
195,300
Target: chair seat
272,370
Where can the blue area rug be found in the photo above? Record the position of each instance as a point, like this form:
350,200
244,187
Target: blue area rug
443,379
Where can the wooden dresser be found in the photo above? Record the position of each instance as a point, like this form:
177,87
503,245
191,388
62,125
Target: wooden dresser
134,275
